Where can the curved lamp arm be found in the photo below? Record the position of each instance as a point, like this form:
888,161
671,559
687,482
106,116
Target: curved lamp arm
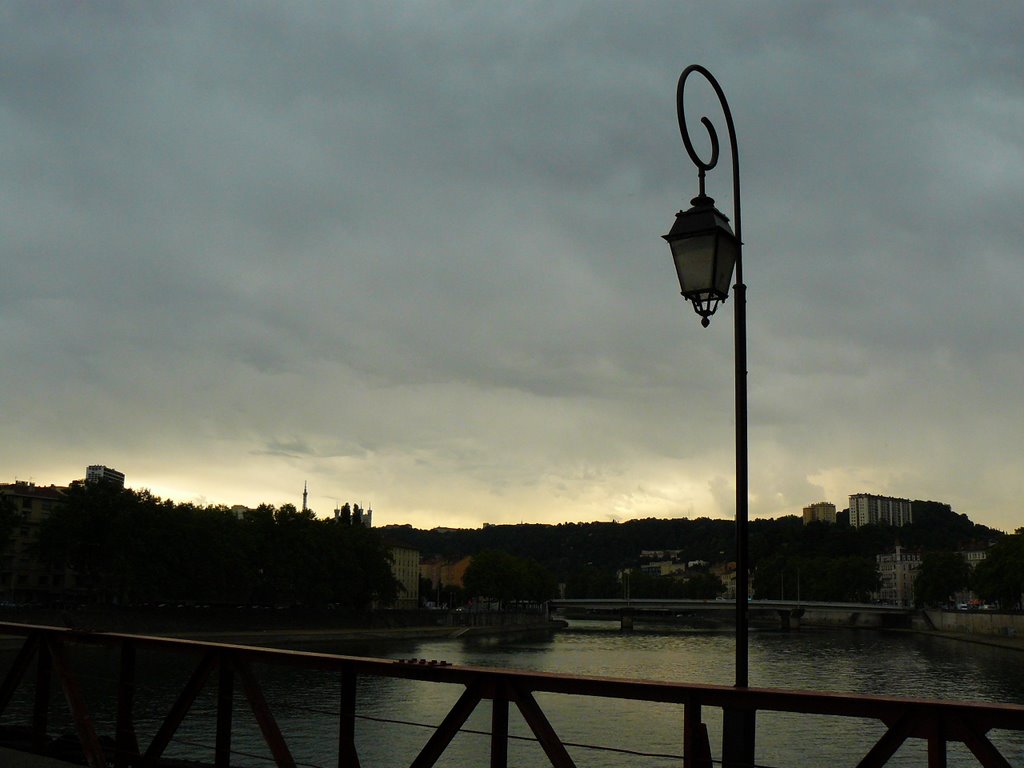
703,166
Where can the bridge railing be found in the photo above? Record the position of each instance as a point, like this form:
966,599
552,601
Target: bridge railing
44,661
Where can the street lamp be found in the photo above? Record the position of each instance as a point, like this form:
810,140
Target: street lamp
705,250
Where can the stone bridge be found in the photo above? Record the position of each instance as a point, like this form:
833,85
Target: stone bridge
787,614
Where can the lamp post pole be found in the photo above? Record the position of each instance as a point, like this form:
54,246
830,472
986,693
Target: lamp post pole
705,250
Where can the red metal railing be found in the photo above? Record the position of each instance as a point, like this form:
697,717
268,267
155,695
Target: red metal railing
937,722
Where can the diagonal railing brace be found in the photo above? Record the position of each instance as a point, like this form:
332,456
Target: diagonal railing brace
91,747
449,727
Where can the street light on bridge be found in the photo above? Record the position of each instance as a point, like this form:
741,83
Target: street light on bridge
706,250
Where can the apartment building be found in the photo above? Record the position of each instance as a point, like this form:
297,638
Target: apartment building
405,567
23,577
820,512
664,568
868,509
97,473
445,573
897,571
974,555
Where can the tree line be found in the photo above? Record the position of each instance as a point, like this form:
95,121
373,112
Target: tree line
507,578
829,562
997,580
130,547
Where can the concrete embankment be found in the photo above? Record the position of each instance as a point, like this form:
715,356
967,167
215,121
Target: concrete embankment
989,623
847,618
1003,630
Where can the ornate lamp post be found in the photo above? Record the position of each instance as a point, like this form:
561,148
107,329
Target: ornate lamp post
706,250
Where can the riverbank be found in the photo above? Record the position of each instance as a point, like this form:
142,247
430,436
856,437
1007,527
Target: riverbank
991,628
289,629
292,637
275,637
272,638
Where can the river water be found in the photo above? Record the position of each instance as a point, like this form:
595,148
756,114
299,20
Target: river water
859,661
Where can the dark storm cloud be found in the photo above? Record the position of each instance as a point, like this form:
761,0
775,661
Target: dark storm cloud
410,251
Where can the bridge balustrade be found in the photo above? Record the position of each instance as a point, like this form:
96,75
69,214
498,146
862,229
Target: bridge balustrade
44,655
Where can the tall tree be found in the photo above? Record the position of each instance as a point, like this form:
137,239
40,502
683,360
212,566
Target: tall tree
130,546
999,578
500,576
941,575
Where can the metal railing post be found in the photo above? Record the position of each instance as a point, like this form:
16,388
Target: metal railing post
937,747
41,705
126,745
738,729
347,755
225,701
499,730
696,746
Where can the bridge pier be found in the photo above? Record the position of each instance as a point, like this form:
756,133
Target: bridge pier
789,618
626,620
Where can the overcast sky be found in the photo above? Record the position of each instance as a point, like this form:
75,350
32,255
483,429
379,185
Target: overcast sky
410,253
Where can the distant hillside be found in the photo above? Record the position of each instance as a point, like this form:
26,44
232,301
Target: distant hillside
567,549
937,527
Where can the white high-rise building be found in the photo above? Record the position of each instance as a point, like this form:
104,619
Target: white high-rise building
867,509
96,473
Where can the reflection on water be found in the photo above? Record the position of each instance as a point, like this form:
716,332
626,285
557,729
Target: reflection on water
306,703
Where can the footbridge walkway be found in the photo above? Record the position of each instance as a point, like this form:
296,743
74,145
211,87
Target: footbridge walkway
47,663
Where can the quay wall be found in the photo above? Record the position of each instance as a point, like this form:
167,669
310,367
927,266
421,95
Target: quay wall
844,617
981,623
987,623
